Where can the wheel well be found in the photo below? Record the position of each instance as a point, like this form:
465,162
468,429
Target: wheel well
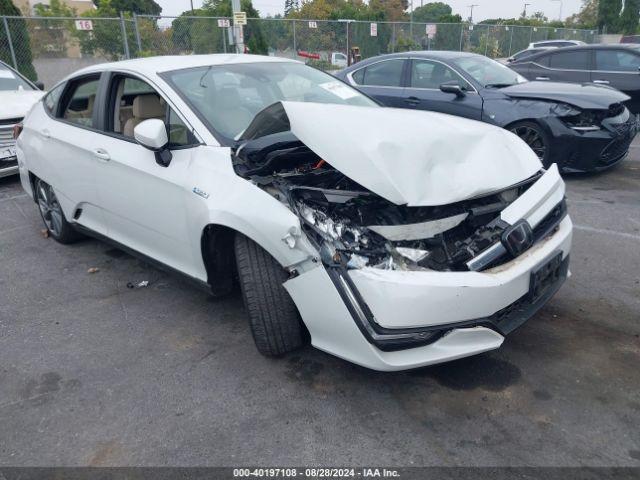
218,256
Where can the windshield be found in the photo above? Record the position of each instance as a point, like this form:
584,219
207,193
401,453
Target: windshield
9,80
489,73
227,97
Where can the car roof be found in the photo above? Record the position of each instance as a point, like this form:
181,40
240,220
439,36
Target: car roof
159,64
578,48
434,54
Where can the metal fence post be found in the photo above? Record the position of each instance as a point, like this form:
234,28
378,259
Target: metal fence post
295,47
10,42
135,26
511,40
393,38
348,51
461,34
123,27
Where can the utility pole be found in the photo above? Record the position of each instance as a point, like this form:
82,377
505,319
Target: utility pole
191,7
560,14
471,7
238,29
524,13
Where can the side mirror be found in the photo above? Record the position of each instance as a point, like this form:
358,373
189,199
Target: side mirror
453,87
511,59
39,85
152,134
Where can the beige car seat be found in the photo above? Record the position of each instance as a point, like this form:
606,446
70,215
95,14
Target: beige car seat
144,107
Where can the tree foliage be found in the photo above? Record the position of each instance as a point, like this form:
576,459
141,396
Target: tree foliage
630,17
20,39
587,17
609,15
141,7
432,12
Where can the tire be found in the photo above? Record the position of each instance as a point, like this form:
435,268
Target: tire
273,317
52,215
535,136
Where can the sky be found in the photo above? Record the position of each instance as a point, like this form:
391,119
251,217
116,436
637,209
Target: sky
484,9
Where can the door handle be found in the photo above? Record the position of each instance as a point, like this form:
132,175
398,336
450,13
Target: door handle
413,101
601,82
45,133
101,154
542,78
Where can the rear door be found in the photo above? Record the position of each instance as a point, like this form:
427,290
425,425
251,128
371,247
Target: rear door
68,140
423,90
619,68
562,66
382,80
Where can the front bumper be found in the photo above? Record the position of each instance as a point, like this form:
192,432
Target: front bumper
593,151
366,315
8,167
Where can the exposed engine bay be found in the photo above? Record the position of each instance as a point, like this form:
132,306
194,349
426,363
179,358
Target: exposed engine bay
354,227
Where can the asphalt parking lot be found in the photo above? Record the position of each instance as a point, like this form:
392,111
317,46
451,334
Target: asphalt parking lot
95,373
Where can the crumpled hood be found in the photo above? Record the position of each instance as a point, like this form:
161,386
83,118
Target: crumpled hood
17,103
587,96
412,157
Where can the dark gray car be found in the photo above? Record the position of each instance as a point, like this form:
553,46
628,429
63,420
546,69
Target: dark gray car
617,66
579,127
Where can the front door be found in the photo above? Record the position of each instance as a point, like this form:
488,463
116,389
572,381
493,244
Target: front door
423,91
144,202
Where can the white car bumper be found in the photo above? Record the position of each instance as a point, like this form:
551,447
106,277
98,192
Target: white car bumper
355,314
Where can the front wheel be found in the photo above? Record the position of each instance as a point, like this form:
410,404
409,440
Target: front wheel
273,317
534,136
52,214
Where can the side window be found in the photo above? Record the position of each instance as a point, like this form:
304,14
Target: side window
543,60
427,74
179,134
387,73
80,101
572,60
132,101
617,61
51,99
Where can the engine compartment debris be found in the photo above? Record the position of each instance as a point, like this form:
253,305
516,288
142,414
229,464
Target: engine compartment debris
353,226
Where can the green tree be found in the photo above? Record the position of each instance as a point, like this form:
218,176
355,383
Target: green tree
141,7
290,6
630,16
587,17
609,15
431,12
51,38
106,37
20,39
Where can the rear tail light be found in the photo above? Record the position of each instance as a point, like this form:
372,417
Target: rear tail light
17,130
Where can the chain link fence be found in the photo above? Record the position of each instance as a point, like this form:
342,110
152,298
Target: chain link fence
49,48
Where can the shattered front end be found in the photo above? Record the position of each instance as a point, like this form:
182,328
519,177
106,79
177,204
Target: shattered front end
400,286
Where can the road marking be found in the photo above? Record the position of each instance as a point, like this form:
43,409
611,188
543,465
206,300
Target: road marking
585,228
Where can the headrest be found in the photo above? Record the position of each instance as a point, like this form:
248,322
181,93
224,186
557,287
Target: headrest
147,106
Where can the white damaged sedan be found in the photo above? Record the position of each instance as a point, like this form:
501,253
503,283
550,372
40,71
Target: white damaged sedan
391,238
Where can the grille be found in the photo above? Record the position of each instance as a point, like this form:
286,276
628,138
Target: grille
10,121
6,135
9,164
616,149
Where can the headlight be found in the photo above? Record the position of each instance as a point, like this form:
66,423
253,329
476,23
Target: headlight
584,121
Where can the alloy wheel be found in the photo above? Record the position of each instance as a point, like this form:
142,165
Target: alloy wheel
532,137
49,208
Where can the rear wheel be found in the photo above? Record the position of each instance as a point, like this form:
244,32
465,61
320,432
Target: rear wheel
273,317
52,214
534,136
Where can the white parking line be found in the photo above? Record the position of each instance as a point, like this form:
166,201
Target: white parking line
585,228
14,197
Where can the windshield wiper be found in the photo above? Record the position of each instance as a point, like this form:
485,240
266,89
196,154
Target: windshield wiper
498,85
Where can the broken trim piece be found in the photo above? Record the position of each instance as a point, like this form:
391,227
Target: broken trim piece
418,231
